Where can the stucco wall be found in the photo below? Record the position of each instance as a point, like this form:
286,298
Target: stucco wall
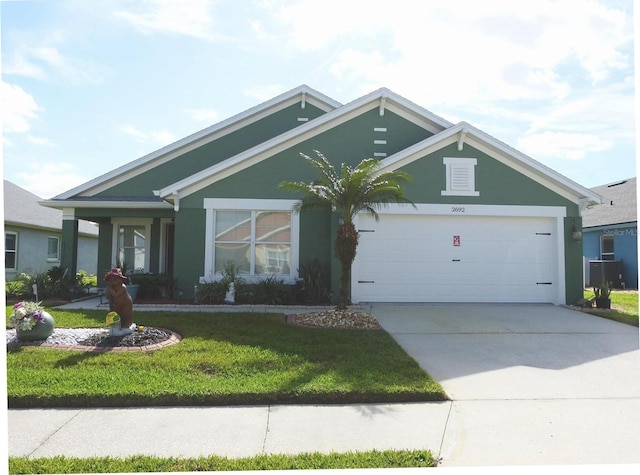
32,252
625,245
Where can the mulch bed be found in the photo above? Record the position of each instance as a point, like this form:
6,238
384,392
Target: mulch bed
149,336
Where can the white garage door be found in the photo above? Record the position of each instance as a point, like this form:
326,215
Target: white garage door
417,258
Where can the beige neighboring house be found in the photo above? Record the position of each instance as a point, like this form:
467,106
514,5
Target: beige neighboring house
33,235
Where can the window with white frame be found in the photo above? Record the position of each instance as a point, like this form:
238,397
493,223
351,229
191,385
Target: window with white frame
10,251
53,249
460,176
131,243
258,237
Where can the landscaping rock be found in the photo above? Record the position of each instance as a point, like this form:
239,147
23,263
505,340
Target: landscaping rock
335,318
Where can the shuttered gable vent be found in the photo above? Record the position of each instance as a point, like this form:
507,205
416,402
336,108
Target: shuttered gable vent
460,176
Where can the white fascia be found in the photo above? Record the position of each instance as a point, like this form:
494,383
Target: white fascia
243,160
497,150
200,138
58,204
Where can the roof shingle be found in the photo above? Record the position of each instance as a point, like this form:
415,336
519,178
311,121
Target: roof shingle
619,205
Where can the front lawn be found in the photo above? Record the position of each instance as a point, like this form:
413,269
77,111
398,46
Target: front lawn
233,358
624,306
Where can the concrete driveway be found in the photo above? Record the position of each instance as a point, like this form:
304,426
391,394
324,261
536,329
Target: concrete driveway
530,384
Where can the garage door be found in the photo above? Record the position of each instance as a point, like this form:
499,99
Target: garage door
418,258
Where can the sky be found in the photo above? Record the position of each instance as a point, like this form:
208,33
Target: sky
88,86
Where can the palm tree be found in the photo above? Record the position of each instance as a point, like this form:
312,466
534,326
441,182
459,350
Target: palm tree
355,190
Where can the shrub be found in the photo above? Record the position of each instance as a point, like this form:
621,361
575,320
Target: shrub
273,291
54,283
154,286
314,277
213,293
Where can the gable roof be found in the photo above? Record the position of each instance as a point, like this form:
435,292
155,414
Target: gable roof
619,205
303,94
444,134
382,99
464,133
22,208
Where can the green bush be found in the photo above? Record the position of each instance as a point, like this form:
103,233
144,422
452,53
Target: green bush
315,288
154,286
213,293
273,291
269,290
52,284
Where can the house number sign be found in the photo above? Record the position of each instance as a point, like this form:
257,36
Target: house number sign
456,241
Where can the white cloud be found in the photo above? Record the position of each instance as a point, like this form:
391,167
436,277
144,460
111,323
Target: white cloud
155,137
463,51
40,141
189,18
570,146
42,62
19,108
48,179
266,92
204,115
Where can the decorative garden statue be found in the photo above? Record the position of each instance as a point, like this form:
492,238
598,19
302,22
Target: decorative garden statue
120,302
230,296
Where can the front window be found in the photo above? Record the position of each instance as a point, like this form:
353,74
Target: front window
53,249
258,237
10,251
256,242
132,247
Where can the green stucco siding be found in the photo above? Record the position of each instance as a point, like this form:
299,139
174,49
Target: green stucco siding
350,142
214,152
189,249
497,183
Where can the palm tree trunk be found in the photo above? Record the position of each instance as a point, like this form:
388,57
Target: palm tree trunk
345,247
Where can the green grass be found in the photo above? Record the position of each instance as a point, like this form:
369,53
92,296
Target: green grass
350,460
238,358
624,306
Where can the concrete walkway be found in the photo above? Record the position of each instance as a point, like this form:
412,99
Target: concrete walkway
530,385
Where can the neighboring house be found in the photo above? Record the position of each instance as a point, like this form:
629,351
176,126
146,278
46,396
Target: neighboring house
490,223
33,236
610,236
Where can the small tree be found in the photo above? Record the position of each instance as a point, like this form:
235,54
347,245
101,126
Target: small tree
360,189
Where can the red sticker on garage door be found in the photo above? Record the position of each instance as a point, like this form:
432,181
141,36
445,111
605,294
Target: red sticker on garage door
456,241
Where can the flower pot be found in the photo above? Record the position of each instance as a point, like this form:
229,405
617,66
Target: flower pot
133,290
41,331
603,303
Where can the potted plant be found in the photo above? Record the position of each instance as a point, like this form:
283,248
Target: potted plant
31,321
132,287
603,295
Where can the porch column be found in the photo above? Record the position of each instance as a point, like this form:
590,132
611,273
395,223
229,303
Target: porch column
69,248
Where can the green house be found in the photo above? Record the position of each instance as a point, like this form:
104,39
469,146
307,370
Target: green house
490,224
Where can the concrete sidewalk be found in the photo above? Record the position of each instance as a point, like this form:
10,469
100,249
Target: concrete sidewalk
226,431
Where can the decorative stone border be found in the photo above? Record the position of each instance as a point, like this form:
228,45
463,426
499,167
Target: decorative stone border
172,340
